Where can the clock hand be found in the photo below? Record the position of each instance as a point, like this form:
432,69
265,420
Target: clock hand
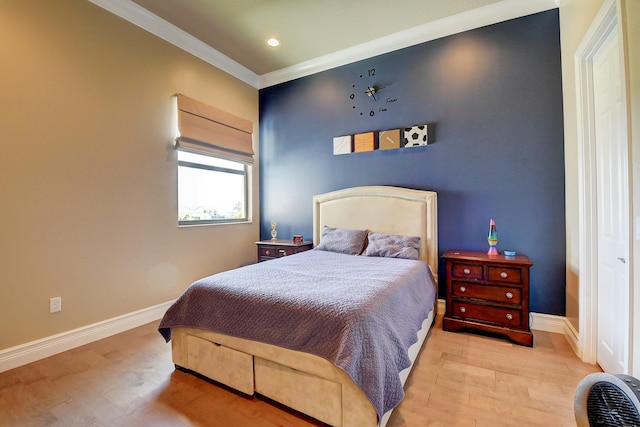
371,91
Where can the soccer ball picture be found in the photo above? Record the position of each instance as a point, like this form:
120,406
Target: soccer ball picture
415,136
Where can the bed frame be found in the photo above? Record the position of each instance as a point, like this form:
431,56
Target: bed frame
305,382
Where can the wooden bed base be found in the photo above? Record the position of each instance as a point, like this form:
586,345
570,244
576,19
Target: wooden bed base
304,382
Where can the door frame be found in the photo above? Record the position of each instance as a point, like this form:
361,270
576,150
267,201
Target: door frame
610,18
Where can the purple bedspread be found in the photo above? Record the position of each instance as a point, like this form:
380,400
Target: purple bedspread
361,313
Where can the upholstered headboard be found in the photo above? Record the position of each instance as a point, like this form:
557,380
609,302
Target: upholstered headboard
382,209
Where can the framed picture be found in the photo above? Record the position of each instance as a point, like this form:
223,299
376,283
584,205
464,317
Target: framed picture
389,139
364,142
342,145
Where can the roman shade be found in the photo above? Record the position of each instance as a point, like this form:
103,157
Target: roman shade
206,129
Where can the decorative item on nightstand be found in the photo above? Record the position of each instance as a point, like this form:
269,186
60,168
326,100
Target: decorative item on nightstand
274,232
297,239
492,238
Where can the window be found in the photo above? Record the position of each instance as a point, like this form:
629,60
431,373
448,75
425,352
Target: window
215,151
211,189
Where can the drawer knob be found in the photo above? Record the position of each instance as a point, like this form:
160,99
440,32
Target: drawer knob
463,310
463,289
466,271
509,295
283,252
509,316
268,252
503,274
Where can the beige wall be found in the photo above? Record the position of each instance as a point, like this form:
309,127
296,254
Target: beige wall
87,172
575,18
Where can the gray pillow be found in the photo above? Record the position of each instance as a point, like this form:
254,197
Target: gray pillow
393,246
342,240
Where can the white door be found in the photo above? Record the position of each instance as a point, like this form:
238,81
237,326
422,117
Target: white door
612,209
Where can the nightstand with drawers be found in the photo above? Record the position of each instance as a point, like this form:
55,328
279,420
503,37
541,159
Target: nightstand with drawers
488,293
271,249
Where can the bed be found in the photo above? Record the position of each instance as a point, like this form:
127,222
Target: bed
309,369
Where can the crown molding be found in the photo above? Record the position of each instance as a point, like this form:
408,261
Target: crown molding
487,15
137,15
475,18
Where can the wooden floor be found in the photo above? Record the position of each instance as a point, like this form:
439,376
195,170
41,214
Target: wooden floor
459,379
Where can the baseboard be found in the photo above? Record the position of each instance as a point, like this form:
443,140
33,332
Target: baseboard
573,337
558,325
547,323
45,347
39,349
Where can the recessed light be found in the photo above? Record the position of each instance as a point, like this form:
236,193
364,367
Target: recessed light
273,42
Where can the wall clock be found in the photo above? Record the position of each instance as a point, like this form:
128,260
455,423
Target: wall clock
368,97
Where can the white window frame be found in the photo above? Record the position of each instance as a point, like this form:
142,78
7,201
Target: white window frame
243,170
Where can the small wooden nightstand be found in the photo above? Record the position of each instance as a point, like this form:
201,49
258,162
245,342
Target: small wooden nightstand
271,249
488,293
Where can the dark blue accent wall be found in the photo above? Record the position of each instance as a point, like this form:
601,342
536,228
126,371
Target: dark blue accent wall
494,96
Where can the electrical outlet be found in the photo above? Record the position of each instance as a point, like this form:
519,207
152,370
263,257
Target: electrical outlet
55,304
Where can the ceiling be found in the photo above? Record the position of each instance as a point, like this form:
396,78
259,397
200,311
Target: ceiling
314,34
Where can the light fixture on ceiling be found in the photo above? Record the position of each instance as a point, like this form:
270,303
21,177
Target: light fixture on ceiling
273,42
